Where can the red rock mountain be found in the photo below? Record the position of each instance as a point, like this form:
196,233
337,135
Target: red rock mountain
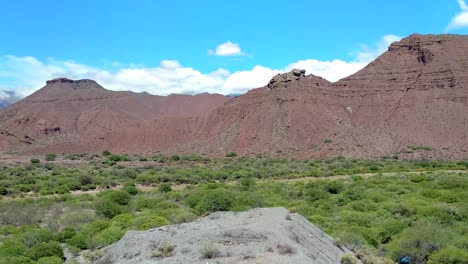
413,94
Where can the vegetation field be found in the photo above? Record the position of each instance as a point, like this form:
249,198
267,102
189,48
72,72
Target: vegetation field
384,210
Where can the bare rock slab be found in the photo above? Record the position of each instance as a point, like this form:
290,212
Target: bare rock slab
266,235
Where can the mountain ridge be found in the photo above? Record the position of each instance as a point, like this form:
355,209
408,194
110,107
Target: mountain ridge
413,94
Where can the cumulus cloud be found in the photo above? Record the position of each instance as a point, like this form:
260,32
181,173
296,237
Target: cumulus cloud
227,49
338,69
461,19
20,76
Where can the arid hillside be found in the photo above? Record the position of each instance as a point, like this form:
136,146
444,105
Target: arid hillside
410,101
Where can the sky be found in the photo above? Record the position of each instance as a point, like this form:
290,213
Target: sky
190,47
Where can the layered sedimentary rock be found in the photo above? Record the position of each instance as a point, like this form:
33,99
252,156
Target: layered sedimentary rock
413,94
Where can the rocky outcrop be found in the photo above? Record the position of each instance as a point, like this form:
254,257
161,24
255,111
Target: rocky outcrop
266,235
66,80
281,81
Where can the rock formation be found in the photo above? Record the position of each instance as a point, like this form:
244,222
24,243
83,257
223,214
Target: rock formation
267,235
280,81
413,94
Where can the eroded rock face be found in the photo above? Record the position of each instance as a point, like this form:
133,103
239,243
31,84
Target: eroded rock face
280,81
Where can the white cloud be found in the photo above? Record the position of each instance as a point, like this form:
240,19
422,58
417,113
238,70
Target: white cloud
227,49
20,76
338,69
461,19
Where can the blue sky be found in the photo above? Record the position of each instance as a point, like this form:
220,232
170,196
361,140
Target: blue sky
190,47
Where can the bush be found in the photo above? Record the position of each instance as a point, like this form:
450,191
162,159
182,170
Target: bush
246,183
15,260
164,250
419,241
231,154
449,255
130,188
35,161
48,249
109,209
327,141
348,259
216,200
51,157
50,260
107,236
209,251
11,248
85,180
152,222
79,241
67,233
123,221
119,197
334,187
165,187
35,236
106,153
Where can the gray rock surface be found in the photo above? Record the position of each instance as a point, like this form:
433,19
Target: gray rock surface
267,235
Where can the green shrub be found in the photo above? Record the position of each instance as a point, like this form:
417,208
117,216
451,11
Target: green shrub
51,157
327,141
35,161
114,158
12,248
50,260
130,188
85,180
48,249
348,259
231,154
449,255
123,221
107,236
334,187
79,241
419,241
164,187
314,193
216,200
119,197
246,183
106,153
15,260
67,233
152,222
33,236
109,209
